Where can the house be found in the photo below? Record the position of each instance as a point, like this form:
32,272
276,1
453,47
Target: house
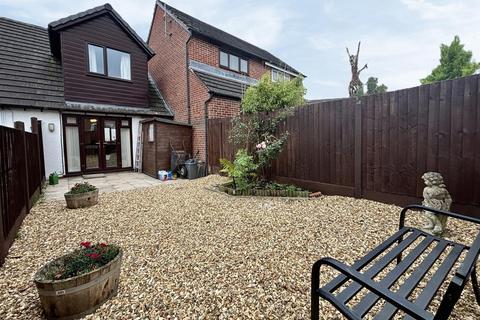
86,78
204,71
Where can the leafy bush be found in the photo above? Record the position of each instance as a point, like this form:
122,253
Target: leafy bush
82,188
241,170
264,107
81,261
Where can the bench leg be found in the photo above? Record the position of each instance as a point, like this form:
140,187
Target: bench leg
476,289
315,298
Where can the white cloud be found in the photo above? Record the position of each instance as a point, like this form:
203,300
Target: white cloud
321,42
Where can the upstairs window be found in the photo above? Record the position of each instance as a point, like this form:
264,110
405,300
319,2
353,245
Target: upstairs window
278,75
95,59
233,62
117,62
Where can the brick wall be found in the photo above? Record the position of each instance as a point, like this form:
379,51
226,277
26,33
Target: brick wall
203,51
168,66
220,107
198,97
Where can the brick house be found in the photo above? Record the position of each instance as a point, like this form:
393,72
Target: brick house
203,71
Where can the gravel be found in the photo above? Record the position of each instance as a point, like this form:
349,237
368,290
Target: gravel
192,253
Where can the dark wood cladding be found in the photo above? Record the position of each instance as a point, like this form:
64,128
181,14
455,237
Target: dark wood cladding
379,147
157,154
81,86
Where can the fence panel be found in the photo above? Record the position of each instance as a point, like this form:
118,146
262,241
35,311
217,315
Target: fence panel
20,181
378,146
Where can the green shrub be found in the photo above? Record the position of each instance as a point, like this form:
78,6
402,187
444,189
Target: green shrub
241,170
82,188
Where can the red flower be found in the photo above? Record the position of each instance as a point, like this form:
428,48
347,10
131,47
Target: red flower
86,244
103,245
94,256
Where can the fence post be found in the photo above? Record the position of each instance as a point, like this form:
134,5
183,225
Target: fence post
19,125
358,148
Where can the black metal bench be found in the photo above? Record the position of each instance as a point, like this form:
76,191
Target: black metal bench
393,249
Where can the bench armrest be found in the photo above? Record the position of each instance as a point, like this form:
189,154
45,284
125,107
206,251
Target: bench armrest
470,260
384,293
417,207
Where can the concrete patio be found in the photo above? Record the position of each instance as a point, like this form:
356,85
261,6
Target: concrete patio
118,181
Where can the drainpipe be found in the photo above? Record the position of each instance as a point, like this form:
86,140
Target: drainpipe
188,81
206,132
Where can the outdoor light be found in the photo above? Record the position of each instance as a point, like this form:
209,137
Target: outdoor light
51,127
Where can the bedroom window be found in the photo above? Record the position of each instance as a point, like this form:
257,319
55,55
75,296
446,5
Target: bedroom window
278,75
95,59
233,62
117,62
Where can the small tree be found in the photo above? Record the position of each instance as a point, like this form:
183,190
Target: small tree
264,106
373,87
455,62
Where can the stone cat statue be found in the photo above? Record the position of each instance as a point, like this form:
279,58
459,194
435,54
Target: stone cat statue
436,196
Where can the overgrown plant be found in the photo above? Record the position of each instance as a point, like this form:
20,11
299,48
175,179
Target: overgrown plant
264,107
241,170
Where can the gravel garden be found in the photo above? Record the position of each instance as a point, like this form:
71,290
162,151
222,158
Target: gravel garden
194,253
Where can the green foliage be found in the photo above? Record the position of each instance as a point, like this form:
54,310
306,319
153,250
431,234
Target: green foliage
82,188
264,107
374,88
242,170
270,95
455,62
81,261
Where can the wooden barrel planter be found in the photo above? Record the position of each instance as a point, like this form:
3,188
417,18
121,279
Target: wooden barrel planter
78,296
81,200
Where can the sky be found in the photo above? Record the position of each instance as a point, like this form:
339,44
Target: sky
400,39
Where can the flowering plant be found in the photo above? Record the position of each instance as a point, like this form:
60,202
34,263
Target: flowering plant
88,258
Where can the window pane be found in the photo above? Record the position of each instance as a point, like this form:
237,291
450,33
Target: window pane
73,148
244,66
234,62
71,120
95,59
118,64
125,147
223,59
124,123
150,133
274,75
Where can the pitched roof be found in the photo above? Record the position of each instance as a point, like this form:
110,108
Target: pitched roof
29,74
222,86
55,26
206,30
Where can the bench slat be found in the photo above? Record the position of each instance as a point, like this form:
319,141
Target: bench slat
349,292
428,293
335,283
389,310
371,298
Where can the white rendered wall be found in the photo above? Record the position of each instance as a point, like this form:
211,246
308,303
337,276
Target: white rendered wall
52,141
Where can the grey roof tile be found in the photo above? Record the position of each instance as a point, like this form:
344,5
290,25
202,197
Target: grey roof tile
29,74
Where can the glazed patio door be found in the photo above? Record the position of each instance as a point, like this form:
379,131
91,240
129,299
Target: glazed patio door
96,144
101,144
91,144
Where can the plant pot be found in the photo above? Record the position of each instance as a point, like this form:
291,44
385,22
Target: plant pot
52,180
76,297
81,200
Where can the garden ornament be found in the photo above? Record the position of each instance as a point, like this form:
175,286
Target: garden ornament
435,195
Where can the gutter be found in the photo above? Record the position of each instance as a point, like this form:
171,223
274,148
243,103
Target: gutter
188,78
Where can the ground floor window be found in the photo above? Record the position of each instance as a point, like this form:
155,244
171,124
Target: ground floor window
95,143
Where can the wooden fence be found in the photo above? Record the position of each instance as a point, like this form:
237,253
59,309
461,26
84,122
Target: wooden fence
378,147
21,177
